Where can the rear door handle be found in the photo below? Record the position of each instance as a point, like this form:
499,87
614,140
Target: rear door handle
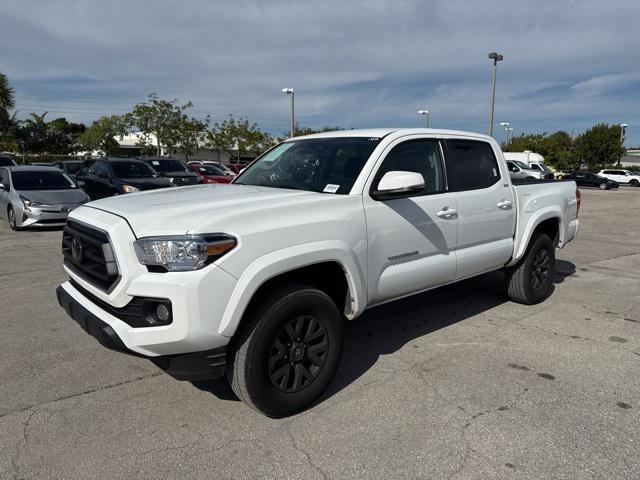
504,205
447,213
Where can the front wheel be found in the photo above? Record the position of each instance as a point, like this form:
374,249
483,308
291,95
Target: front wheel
602,186
634,183
11,214
530,281
286,353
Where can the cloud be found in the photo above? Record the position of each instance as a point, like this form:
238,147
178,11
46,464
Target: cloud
357,63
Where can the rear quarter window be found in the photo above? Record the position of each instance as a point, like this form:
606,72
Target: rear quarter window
471,165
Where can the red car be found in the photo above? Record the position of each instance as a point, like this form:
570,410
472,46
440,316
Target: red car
211,173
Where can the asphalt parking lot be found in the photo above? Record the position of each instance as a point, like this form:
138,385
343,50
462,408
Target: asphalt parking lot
454,383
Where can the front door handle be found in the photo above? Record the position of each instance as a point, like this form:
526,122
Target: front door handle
447,213
504,205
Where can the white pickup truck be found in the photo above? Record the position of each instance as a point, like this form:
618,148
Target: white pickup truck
254,279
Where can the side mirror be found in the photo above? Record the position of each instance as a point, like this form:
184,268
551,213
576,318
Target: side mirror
4,187
397,184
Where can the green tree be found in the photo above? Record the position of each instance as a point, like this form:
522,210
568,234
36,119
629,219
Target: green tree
190,135
239,135
100,135
158,117
7,101
600,146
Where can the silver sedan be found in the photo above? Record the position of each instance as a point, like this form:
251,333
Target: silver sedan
37,196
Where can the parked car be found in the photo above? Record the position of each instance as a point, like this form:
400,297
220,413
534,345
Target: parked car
211,173
587,179
37,196
254,279
115,175
70,167
175,170
622,176
520,171
228,170
7,161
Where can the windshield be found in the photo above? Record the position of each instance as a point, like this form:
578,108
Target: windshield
6,162
329,165
132,170
211,170
72,167
522,165
168,166
41,180
226,170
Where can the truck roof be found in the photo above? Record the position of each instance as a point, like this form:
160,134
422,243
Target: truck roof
382,132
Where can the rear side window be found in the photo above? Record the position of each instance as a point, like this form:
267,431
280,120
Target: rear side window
471,165
419,156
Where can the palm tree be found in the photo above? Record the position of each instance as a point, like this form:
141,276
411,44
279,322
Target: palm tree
6,99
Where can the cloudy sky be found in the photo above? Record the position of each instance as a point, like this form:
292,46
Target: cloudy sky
567,64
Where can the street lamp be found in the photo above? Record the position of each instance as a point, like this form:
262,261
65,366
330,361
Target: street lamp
426,116
506,126
496,58
289,91
509,134
623,127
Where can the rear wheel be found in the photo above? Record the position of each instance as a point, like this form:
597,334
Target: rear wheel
11,214
530,281
602,186
285,355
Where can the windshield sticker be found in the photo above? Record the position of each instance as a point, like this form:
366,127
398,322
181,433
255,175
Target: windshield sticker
155,162
331,188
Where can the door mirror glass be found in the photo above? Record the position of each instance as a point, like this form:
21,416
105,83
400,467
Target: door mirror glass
4,187
398,184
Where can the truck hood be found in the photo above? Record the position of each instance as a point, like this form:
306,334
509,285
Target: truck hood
208,208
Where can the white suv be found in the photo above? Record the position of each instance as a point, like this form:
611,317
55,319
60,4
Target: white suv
622,176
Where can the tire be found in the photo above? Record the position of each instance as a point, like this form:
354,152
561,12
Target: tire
602,186
634,183
269,363
11,215
530,281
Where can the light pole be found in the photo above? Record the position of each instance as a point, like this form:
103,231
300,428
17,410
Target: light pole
496,58
506,126
623,127
426,116
289,91
509,134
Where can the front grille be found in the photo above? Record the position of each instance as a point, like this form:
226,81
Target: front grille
88,253
185,180
47,221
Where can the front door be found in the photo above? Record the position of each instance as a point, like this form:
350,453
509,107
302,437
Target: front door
411,240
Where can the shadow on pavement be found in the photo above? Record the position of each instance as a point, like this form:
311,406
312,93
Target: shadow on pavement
387,328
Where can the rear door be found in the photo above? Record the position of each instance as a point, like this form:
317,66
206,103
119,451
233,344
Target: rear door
486,214
411,240
4,194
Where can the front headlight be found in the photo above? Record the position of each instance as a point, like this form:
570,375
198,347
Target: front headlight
129,189
29,203
179,254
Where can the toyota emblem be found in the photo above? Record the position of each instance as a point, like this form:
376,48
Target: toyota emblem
76,250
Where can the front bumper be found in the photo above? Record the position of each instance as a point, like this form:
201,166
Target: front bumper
43,217
192,366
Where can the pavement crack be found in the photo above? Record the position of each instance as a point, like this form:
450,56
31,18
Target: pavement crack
79,394
311,463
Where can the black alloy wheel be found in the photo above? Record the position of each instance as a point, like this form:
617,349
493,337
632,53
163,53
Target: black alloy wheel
298,354
540,269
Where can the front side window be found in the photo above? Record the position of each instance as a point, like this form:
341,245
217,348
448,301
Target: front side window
471,165
41,180
328,165
132,170
419,156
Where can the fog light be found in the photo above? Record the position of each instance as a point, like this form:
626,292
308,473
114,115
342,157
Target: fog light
163,312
